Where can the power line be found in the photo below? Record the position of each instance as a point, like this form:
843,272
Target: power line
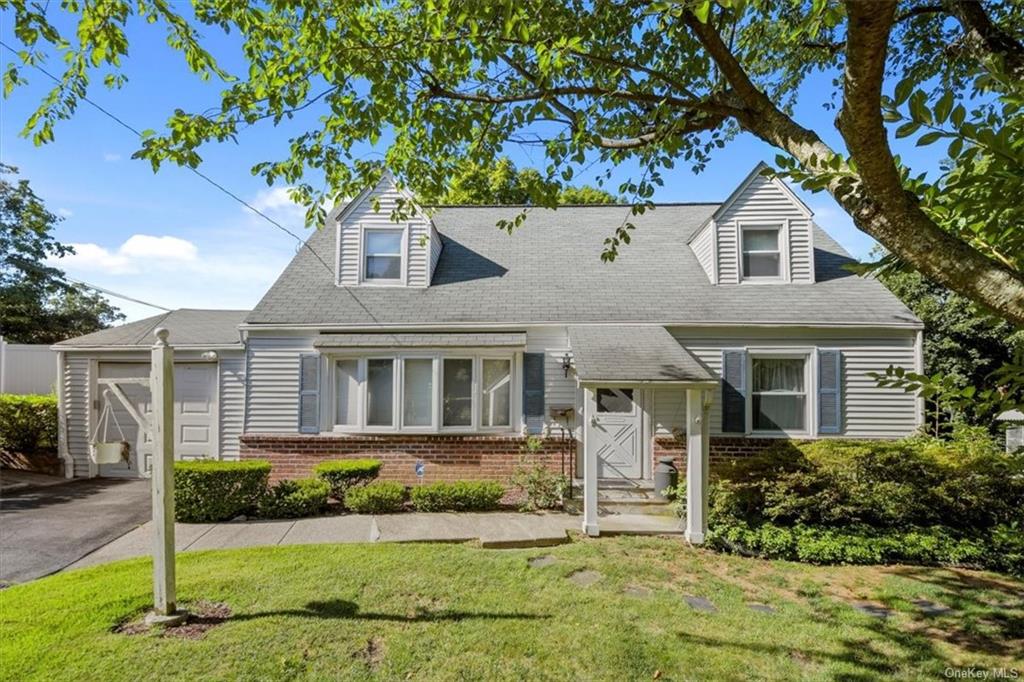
200,174
108,292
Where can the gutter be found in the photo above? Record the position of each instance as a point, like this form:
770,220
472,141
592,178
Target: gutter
327,326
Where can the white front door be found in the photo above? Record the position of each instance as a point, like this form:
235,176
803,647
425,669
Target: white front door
195,416
615,431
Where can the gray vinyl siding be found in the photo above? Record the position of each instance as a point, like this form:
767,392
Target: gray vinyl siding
232,405
272,386
75,385
418,245
669,411
703,248
867,410
762,201
559,390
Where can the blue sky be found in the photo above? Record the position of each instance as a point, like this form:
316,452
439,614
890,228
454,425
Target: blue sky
171,239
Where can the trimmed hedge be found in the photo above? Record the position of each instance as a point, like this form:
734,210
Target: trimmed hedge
28,423
291,499
210,490
379,497
458,496
342,474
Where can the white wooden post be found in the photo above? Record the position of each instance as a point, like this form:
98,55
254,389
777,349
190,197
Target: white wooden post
696,467
161,382
590,525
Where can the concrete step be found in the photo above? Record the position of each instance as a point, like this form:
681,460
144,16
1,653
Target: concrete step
639,524
630,497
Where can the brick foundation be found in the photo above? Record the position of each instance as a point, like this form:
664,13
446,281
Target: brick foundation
722,449
447,458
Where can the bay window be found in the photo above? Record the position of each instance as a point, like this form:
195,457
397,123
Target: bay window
779,393
423,392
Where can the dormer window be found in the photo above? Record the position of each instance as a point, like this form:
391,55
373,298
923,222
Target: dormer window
761,253
382,255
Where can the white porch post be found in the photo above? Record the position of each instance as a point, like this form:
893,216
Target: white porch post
590,526
696,467
161,384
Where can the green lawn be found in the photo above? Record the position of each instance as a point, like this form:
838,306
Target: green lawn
458,612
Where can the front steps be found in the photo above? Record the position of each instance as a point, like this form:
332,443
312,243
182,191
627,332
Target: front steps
627,507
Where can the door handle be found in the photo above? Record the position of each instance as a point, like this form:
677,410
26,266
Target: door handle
593,421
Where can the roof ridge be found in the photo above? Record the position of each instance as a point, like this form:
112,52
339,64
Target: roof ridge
616,205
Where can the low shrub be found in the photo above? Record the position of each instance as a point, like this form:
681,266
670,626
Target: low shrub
379,497
28,423
208,490
457,496
541,487
342,474
291,499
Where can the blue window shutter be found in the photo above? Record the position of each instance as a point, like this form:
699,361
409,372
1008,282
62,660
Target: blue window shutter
533,384
830,385
309,393
734,391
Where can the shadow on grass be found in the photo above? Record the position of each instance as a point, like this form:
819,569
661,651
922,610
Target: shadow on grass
347,610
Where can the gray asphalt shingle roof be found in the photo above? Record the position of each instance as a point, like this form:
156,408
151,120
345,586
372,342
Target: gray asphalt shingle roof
632,353
389,340
187,326
549,270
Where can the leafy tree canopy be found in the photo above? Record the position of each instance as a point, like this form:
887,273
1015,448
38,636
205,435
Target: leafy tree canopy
503,183
963,347
37,305
580,81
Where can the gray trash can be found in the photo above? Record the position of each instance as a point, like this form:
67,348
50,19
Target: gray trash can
665,476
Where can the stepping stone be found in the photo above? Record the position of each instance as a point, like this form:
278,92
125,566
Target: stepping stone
585,578
761,608
930,608
639,591
541,561
700,604
873,610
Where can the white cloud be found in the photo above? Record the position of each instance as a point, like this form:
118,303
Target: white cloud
65,212
139,253
111,157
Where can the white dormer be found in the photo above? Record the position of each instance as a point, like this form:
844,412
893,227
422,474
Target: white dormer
761,234
372,250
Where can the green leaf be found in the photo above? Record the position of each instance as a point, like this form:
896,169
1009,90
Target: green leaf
930,138
903,90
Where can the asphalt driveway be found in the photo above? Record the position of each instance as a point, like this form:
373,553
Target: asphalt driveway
44,529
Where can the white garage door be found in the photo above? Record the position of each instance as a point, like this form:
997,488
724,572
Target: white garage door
195,414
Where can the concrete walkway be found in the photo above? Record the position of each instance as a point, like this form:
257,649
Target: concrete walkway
492,530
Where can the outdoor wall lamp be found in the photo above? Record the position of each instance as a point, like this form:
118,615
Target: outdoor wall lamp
210,355
566,364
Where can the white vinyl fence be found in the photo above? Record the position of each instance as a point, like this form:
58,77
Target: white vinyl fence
27,368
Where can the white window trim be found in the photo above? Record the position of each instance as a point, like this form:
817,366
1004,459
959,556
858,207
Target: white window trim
403,254
808,355
783,251
329,392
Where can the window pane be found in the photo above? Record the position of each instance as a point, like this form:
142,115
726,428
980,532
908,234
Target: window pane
774,412
418,404
778,374
386,243
761,240
347,396
380,392
497,389
383,267
457,396
760,265
618,400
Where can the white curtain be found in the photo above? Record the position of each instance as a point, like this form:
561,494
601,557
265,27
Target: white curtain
778,374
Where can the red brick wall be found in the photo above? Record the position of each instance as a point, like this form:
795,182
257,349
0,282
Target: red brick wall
721,449
447,458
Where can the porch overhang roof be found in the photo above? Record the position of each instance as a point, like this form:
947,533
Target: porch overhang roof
626,354
427,340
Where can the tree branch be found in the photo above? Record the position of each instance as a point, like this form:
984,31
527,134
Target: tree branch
982,35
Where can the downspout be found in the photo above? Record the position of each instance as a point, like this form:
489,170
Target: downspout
62,424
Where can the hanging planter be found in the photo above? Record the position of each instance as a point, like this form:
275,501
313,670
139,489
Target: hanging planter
109,451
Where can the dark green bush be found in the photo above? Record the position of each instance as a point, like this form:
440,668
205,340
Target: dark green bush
28,423
291,499
457,496
209,490
342,474
379,497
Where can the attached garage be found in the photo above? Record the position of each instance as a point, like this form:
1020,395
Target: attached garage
104,396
